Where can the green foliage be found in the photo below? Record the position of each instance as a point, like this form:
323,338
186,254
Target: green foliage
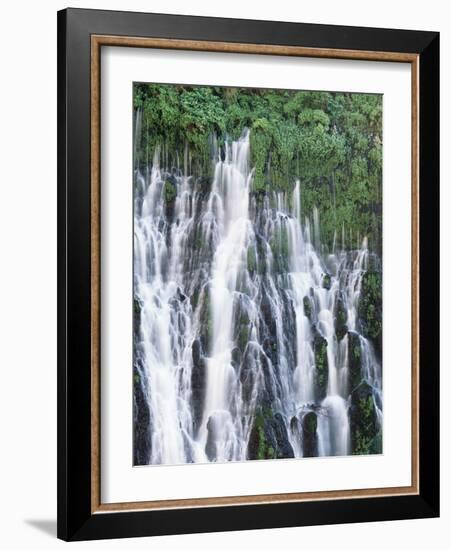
365,435
361,443
370,305
260,142
170,192
331,142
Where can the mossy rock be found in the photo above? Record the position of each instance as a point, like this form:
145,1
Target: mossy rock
354,360
308,308
268,315
270,347
309,434
141,422
251,260
206,321
198,383
242,327
247,371
237,357
341,318
204,183
280,248
321,367
136,320
327,281
169,195
363,422
269,437
370,307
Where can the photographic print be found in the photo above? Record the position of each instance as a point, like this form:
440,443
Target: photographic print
257,290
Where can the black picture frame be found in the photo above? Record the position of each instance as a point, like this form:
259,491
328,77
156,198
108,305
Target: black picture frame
76,521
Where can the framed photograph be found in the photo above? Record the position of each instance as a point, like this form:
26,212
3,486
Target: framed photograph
248,274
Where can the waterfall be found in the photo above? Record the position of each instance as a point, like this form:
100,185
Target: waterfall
247,339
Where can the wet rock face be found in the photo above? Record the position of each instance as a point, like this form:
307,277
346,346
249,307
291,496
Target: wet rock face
280,249
170,195
365,436
141,423
136,320
283,448
242,326
252,264
141,411
355,360
269,438
370,308
308,308
268,315
247,372
341,318
309,434
206,321
198,383
210,447
321,366
327,281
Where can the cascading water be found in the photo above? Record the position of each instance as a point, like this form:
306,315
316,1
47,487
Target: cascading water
247,337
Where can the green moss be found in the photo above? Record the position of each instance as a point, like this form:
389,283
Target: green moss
366,408
262,449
